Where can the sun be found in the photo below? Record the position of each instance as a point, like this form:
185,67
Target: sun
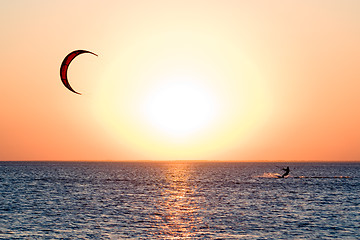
179,95
180,106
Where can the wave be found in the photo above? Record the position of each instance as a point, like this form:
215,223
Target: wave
277,175
270,175
322,177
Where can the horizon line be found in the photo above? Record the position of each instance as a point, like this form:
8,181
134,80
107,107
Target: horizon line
182,161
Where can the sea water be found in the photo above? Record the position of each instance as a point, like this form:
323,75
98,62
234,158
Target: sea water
167,200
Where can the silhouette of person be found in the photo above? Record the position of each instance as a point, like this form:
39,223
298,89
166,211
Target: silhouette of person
287,170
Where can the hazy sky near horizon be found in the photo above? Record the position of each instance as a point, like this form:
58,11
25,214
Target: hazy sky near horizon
199,79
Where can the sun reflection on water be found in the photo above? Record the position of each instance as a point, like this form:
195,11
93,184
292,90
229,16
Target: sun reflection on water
179,206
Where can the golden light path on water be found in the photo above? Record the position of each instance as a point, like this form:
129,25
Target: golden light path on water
179,205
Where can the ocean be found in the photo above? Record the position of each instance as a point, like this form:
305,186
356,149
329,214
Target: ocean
179,200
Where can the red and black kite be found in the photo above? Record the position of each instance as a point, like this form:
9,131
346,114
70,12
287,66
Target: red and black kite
65,65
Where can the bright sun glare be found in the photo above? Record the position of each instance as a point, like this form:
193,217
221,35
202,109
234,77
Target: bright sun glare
180,96
180,107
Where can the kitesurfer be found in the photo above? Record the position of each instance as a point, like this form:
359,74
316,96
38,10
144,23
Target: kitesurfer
287,170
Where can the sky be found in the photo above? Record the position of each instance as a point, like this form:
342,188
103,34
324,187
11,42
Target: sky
223,80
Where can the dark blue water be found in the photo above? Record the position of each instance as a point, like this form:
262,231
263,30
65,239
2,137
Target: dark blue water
53,200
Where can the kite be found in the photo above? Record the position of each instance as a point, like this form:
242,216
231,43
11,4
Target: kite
65,65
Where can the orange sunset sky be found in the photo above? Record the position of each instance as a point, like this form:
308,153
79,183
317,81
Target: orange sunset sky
179,80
